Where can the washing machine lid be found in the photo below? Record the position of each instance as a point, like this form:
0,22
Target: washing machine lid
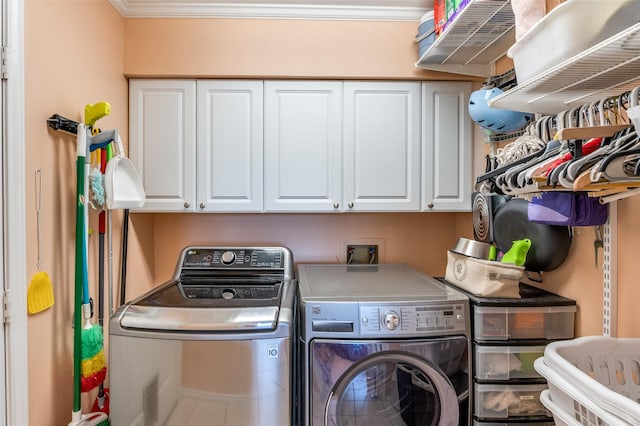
363,283
199,319
202,307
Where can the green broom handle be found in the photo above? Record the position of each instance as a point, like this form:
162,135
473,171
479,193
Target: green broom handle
79,268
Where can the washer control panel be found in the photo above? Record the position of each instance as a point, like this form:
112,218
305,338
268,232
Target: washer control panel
407,319
210,258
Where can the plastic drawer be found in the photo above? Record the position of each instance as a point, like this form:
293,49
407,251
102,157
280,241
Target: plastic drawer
503,363
538,322
509,401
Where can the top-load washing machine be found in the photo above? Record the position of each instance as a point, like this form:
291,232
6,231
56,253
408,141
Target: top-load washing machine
382,345
211,346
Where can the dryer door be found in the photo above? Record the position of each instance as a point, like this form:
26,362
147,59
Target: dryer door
392,383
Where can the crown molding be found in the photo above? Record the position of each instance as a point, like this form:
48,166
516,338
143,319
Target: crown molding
212,9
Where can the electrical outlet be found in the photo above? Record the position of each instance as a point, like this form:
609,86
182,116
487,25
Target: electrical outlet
363,254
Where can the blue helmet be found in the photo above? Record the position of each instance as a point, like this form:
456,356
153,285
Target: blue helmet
498,120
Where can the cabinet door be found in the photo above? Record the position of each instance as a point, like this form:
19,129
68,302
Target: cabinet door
229,145
303,142
162,143
447,147
382,146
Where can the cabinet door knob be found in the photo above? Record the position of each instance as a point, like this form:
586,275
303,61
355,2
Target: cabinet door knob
202,205
336,205
350,205
187,205
430,205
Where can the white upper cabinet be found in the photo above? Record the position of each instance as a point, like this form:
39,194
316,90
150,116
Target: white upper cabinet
162,141
336,147
303,146
447,153
381,169
222,171
229,145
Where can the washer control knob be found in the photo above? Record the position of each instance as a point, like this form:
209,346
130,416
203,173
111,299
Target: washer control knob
391,320
228,293
228,257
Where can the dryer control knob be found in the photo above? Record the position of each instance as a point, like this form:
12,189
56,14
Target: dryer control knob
391,320
228,257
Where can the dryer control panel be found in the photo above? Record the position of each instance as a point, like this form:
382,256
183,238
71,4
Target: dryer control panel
408,319
363,319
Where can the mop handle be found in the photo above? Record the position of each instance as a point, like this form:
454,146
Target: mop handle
86,308
79,255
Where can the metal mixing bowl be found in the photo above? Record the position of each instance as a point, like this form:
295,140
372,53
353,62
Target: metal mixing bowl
473,248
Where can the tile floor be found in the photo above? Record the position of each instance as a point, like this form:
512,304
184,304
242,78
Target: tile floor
192,411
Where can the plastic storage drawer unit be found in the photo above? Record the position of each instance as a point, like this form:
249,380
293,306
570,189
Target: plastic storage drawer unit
540,322
509,401
504,363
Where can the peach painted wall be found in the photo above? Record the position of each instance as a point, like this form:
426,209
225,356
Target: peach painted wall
417,239
273,48
82,57
628,267
73,56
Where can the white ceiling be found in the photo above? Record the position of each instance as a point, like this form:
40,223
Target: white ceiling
380,10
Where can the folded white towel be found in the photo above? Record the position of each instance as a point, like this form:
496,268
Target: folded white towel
527,13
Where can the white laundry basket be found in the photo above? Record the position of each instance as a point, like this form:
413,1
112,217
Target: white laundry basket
560,417
596,379
566,402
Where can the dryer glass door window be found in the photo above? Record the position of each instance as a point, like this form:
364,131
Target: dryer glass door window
391,384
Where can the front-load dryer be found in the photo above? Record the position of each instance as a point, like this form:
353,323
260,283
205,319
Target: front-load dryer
382,345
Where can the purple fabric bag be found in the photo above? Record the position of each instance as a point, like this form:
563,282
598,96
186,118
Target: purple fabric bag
567,209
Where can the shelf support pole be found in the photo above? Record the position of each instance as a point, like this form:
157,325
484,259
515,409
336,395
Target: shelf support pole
610,274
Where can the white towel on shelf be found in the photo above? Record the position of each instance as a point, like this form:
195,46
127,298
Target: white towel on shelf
527,13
